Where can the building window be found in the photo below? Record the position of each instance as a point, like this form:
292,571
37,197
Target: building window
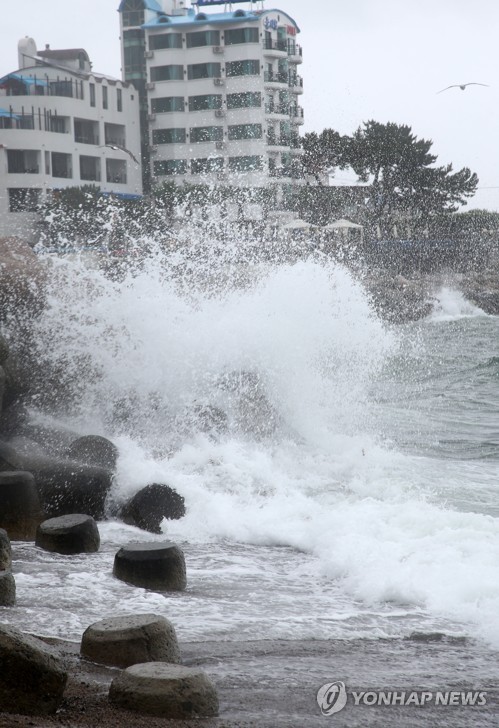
116,171
245,131
133,50
165,40
90,168
248,99
245,164
203,38
202,103
241,35
164,104
167,73
204,70
206,166
24,199
170,166
119,99
207,134
104,97
243,68
168,136
133,12
23,161
63,88
62,165
92,94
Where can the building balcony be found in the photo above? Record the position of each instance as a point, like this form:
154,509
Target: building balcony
274,79
276,48
295,83
296,113
277,109
295,54
278,143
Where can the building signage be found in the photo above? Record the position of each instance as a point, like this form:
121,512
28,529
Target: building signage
220,2
270,24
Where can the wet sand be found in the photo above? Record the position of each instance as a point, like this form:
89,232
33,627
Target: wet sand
273,684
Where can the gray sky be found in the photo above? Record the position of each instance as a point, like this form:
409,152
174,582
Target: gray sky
363,59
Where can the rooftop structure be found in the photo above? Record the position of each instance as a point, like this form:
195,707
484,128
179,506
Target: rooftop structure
62,125
219,91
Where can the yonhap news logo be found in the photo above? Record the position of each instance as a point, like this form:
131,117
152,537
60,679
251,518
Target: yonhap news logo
334,696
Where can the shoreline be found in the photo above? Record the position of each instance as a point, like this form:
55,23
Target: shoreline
273,684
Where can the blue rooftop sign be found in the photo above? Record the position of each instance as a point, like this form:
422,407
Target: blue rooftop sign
220,2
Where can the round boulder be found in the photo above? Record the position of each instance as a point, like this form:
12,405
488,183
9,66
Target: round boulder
32,681
164,690
125,641
20,511
147,508
5,550
9,459
94,450
73,534
7,589
156,566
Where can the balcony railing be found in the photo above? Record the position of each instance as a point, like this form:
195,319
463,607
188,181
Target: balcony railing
277,109
117,141
271,77
21,169
295,50
296,81
275,45
90,176
86,139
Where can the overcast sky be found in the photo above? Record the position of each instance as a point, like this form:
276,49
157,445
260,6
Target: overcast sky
363,59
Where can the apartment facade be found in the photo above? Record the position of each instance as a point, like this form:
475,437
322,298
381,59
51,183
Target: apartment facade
62,125
220,91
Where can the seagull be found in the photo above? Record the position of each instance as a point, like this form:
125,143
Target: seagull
118,147
462,86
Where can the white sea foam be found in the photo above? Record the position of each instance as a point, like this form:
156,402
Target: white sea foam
450,304
371,538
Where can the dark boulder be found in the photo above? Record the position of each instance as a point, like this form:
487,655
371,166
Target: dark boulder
32,680
7,589
94,450
73,534
9,459
156,566
20,509
128,640
66,487
5,550
147,508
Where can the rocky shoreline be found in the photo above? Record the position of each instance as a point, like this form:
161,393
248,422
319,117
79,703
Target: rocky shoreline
57,474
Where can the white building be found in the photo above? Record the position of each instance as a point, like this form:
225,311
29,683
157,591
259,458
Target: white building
220,91
62,125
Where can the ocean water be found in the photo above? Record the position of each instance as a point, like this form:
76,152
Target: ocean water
352,496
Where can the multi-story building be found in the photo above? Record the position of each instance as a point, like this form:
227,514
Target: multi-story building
62,125
219,91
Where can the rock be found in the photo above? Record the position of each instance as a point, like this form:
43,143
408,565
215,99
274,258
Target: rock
4,349
125,641
147,508
20,510
73,534
94,450
209,419
5,550
32,680
157,566
164,690
22,277
3,380
7,589
9,459
66,487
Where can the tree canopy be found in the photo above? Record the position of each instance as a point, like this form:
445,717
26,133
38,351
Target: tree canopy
404,181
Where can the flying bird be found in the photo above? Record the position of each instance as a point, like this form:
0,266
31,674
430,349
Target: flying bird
118,147
462,86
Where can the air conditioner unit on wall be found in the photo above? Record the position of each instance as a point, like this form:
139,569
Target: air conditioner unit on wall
150,86
151,117
218,49
219,113
218,81
149,54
